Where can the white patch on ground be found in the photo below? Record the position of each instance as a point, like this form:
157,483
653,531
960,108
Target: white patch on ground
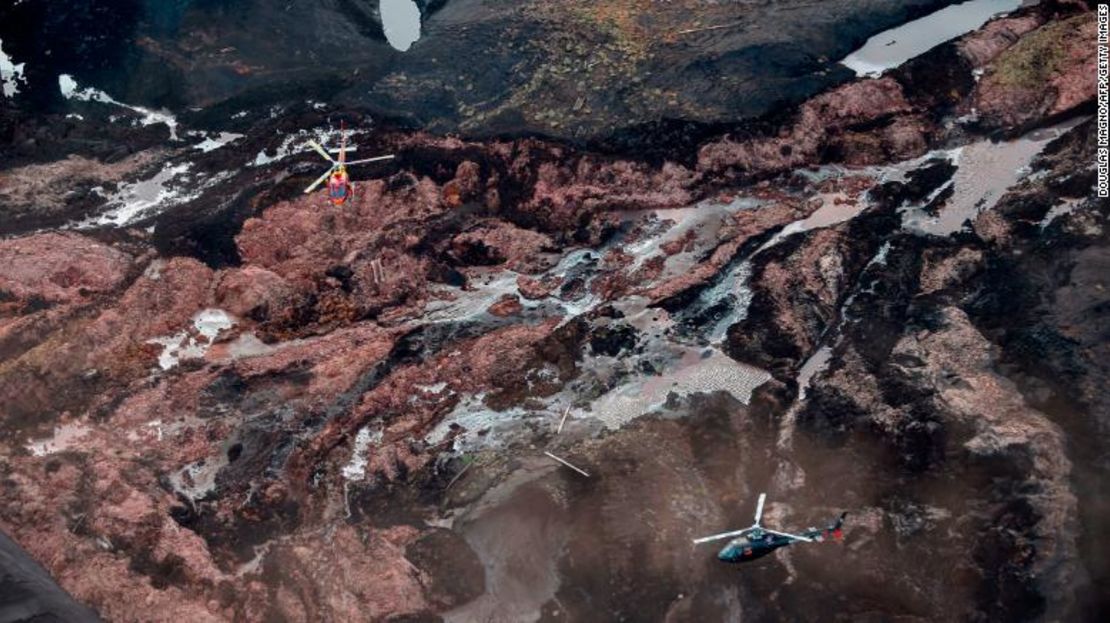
156,426
11,74
198,479
473,302
72,91
705,220
401,23
145,197
893,47
734,288
207,323
696,371
297,143
355,469
254,565
898,171
174,185
210,143
65,437
248,345
154,269
486,288
830,213
576,264
475,417
814,365
1067,206
881,255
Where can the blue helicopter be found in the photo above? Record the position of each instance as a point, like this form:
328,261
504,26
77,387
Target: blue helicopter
756,541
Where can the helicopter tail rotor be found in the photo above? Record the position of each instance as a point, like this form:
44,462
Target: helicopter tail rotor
835,528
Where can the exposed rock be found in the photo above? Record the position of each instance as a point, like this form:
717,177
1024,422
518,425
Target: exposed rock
253,292
52,268
534,289
508,305
1045,73
495,242
832,120
984,45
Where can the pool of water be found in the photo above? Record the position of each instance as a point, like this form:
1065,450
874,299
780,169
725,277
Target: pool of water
401,23
987,170
893,47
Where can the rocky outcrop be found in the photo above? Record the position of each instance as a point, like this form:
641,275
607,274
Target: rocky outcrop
842,121
1045,73
58,269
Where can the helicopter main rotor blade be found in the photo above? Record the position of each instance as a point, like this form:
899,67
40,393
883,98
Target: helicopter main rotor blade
375,159
319,181
342,143
723,535
788,535
320,150
759,507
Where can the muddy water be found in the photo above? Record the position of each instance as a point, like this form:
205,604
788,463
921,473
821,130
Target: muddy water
893,47
986,171
617,546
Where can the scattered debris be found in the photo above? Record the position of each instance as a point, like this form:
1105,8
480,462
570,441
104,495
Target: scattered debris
377,272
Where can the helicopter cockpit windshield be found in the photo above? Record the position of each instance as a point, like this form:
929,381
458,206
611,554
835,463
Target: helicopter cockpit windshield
337,189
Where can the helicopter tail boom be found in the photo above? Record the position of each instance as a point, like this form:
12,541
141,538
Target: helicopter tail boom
835,528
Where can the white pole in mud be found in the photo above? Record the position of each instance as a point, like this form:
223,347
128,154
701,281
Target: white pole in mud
563,421
567,464
689,31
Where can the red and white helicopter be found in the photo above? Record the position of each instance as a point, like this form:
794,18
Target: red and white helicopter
339,182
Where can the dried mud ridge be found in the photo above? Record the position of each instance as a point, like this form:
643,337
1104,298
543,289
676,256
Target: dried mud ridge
264,409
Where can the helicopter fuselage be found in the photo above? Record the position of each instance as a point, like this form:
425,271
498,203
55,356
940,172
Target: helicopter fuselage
758,543
751,547
339,186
